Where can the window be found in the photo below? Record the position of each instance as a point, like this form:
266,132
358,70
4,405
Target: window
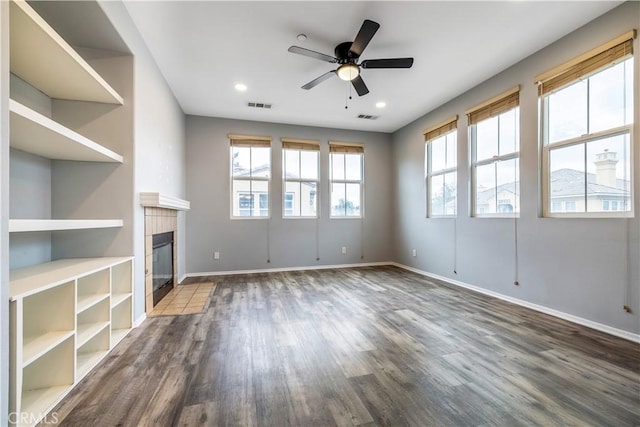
441,168
300,159
346,179
586,111
495,150
250,174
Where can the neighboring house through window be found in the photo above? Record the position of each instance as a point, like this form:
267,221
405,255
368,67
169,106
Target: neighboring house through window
250,165
586,111
441,168
300,170
347,176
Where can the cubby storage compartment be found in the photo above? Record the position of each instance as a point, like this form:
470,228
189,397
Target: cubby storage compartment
62,325
92,289
92,352
46,381
121,283
92,321
47,320
120,321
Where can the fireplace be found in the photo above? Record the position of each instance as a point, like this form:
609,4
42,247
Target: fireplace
163,270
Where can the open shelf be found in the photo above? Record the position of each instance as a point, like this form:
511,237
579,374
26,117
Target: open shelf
37,134
85,302
37,402
43,59
86,331
87,361
117,335
35,279
31,225
91,352
117,299
34,347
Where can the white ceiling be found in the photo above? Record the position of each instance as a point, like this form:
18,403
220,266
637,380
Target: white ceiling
204,48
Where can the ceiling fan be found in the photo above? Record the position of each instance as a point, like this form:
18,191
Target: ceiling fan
347,55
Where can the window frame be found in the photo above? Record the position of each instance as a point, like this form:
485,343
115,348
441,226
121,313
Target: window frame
300,149
474,163
430,174
581,68
345,181
245,141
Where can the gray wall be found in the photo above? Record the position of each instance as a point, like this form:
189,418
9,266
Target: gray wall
581,267
4,212
243,243
159,128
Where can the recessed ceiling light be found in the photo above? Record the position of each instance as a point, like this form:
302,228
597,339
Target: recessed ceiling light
381,104
241,87
301,37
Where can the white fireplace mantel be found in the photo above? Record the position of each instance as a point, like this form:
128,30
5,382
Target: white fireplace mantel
158,200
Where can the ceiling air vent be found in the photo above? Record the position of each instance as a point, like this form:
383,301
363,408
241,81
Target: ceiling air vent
367,117
259,105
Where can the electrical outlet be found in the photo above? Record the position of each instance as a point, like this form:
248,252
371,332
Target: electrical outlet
216,255
344,249
414,252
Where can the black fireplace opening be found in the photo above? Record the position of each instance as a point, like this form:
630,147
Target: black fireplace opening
162,265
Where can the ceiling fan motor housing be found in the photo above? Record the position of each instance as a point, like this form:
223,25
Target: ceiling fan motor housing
344,55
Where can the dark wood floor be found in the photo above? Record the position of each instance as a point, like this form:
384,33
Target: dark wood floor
366,346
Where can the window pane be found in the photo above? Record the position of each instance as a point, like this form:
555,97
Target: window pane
609,173
438,160
507,191
606,99
353,200
628,86
567,112
291,205
308,199
260,161
509,131
337,166
264,204
567,174
309,164
241,160
452,149
487,138
437,195
486,189
450,191
338,199
242,199
353,166
292,164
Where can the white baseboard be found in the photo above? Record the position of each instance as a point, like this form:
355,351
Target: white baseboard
570,317
181,278
140,320
277,270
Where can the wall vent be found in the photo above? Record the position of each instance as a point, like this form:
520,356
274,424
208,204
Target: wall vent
367,117
259,105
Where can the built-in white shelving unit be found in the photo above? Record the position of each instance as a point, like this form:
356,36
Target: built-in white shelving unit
37,134
30,225
66,316
43,59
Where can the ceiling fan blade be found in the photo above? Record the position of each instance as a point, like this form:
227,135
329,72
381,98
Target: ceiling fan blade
359,85
363,38
388,63
312,54
317,81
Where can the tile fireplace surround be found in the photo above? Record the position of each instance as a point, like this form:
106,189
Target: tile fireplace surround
160,216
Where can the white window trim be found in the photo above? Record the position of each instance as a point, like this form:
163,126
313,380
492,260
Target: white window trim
431,174
299,180
247,178
495,159
584,139
345,181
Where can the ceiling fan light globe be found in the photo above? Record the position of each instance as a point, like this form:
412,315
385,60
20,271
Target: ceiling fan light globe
348,72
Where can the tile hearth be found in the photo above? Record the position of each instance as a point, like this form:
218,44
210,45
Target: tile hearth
185,299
